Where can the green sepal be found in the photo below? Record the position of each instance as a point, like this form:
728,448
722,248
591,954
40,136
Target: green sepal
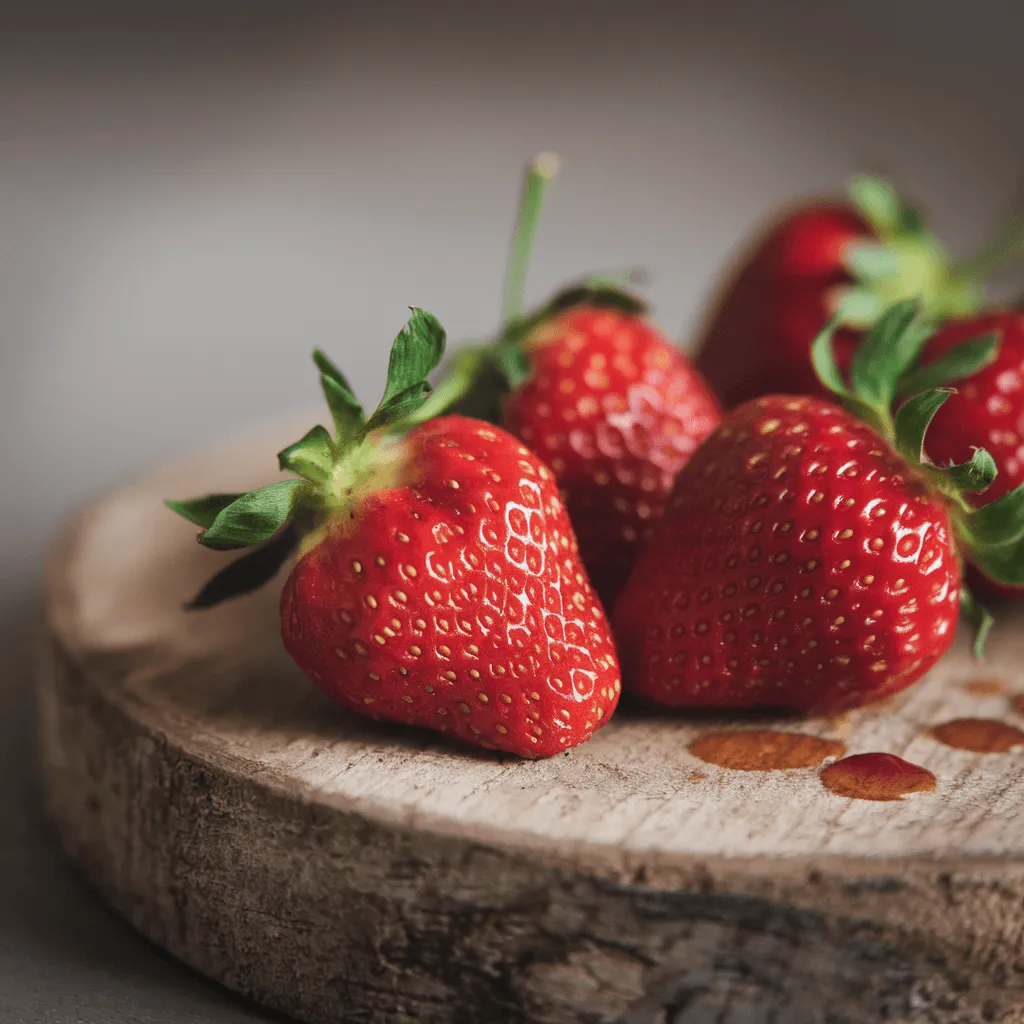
253,517
414,353
604,295
870,261
823,359
999,523
913,419
346,412
878,203
311,458
203,511
329,369
621,280
512,363
885,354
860,308
975,476
249,572
1003,564
958,363
401,407
979,617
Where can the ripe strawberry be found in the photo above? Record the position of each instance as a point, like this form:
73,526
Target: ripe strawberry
439,583
807,559
600,393
987,410
818,259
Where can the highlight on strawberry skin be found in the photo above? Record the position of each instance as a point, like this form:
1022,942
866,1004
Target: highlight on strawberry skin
810,554
438,582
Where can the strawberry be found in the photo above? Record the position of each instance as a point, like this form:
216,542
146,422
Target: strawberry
987,410
822,258
598,392
438,582
809,556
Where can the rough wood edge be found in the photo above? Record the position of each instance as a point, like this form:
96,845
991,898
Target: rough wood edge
333,916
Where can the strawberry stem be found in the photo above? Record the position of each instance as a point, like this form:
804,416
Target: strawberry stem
538,176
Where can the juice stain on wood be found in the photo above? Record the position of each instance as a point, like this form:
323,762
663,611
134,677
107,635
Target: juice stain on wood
986,687
980,735
876,776
764,750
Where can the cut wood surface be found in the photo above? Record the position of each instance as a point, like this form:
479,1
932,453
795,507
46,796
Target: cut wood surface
346,870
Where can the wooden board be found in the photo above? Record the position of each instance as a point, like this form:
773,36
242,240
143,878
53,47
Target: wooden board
343,870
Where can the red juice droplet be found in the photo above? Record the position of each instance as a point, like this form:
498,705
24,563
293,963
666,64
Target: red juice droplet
986,687
980,735
876,776
764,750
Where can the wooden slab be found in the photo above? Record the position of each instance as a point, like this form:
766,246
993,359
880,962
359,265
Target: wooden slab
342,870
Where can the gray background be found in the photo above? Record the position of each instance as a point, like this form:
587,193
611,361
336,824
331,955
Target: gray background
190,201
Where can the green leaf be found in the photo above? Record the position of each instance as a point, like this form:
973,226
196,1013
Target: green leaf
977,475
414,353
912,422
513,364
401,407
312,457
870,261
346,412
603,295
958,363
884,354
1003,565
823,359
860,308
877,202
979,617
202,511
620,280
330,369
254,517
249,572
999,523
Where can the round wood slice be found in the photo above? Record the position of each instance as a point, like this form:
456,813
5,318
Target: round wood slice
344,870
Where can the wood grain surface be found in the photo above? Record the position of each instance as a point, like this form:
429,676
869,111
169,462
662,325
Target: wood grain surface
344,870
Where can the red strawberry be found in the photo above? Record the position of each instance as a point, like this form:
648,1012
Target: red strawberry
439,583
806,560
987,410
595,389
821,258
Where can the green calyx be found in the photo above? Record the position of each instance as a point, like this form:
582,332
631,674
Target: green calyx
883,370
904,261
479,376
332,471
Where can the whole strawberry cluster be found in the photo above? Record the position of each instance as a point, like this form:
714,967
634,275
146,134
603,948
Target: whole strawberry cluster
568,511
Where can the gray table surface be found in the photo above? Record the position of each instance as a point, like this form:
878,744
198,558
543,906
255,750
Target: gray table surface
190,202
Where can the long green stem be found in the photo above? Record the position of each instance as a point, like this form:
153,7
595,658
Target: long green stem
540,173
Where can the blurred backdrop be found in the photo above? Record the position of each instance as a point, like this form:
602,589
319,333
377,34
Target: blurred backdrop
192,196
